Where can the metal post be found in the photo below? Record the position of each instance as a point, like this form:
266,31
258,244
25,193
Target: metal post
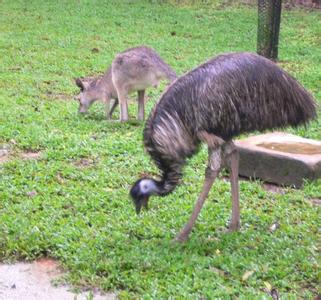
269,18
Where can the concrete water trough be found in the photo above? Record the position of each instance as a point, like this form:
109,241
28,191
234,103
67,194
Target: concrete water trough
280,158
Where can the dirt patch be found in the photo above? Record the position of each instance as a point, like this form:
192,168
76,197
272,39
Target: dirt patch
32,281
4,156
30,155
32,193
85,162
4,159
316,202
4,153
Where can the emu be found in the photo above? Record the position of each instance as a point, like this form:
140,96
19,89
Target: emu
135,69
224,97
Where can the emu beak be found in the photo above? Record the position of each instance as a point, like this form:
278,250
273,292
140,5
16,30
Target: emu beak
142,202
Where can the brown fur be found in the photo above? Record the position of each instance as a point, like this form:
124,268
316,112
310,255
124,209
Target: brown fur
132,70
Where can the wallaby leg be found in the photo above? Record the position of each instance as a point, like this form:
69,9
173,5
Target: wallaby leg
122,97
214,167
141,104
113,108
106,100
233,164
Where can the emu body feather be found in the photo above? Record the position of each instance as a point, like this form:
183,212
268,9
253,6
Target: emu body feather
228,95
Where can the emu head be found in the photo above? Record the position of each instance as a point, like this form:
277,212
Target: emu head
86,96
141,191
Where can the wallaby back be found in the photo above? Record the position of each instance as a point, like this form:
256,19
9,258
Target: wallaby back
138,68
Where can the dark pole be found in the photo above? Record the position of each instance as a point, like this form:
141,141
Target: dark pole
269,18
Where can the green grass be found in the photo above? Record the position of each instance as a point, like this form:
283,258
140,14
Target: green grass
82,215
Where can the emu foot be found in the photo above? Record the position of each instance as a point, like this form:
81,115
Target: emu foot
181,237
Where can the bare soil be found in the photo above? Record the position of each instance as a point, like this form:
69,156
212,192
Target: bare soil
32,281
4,156
31,155
316,202
85,162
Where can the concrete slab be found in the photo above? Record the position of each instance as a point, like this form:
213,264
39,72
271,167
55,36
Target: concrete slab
32,281
280,158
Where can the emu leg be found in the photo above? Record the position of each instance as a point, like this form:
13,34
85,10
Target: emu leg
233,161
113,108
209,180
141,104
214,167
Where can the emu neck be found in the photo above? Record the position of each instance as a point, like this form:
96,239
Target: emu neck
169,181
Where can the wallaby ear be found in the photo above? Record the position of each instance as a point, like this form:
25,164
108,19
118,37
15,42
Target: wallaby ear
80,84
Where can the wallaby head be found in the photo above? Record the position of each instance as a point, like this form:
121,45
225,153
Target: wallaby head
88,94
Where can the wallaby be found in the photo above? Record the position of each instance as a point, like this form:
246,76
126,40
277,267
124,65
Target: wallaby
132,70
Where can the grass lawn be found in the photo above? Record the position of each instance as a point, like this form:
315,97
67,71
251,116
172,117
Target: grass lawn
72,202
